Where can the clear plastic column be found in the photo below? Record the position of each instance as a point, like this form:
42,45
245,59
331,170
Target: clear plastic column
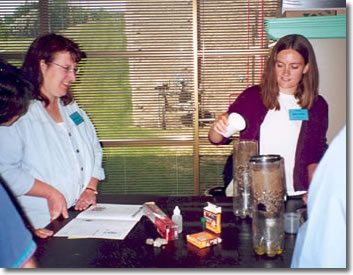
268,186
242,194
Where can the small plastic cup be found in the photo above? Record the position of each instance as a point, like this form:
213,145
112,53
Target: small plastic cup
236,123
291,222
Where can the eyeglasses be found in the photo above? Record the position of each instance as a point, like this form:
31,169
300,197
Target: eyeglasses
68,69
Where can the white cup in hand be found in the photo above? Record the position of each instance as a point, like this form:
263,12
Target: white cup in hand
236,123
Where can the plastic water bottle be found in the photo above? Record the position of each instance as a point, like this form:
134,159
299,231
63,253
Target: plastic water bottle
178,219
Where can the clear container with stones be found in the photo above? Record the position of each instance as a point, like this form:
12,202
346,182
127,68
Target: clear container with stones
268,186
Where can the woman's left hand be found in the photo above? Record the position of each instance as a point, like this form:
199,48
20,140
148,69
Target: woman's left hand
43,233
305,198
87,198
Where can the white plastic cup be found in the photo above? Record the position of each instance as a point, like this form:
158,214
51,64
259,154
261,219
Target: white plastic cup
236,123
291,222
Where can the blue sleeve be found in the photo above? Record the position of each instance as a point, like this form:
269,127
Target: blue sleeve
12,170
16,241
322,243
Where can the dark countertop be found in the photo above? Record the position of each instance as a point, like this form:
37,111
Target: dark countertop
235,251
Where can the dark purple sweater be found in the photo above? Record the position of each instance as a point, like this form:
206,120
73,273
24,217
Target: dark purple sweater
312,142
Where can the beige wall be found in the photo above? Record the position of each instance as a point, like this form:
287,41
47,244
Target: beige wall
331,59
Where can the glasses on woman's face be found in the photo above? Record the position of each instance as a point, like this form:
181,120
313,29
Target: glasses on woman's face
68,69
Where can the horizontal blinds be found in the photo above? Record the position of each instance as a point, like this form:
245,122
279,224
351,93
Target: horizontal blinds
232,50
139,69
137,82
149,170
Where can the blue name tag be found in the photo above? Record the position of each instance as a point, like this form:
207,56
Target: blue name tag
77,118
298,114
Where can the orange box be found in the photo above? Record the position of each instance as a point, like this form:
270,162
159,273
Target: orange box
203,239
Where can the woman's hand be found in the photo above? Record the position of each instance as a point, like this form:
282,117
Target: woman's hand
56,201
57,205
43,233
305,198
311,170
87,198
218,128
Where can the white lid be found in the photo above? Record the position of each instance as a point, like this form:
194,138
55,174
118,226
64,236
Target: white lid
213,208
176,210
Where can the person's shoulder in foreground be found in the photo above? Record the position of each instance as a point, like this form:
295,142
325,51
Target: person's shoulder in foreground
321,240
16,242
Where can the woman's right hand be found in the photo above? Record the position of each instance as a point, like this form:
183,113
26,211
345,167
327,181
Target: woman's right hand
57,205
56,201
218,128
221,123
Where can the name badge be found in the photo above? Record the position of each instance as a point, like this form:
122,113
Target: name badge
77,118
298,114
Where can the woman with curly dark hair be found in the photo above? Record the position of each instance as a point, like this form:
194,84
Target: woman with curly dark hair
54,160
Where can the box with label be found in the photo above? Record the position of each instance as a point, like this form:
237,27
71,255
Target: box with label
212,214
203,239
165,226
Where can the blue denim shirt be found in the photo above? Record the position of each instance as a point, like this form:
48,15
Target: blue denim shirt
36,147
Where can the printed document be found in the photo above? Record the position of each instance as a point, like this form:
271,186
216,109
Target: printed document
107,221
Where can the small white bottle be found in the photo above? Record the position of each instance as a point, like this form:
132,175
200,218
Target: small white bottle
178,219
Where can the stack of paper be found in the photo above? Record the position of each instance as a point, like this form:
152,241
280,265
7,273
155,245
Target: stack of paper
107,221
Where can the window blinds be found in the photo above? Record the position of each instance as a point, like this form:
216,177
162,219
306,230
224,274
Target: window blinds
157,73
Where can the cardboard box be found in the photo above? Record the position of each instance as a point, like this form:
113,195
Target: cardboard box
212,214
165,226
203,239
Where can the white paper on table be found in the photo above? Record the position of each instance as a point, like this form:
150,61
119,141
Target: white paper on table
108,221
